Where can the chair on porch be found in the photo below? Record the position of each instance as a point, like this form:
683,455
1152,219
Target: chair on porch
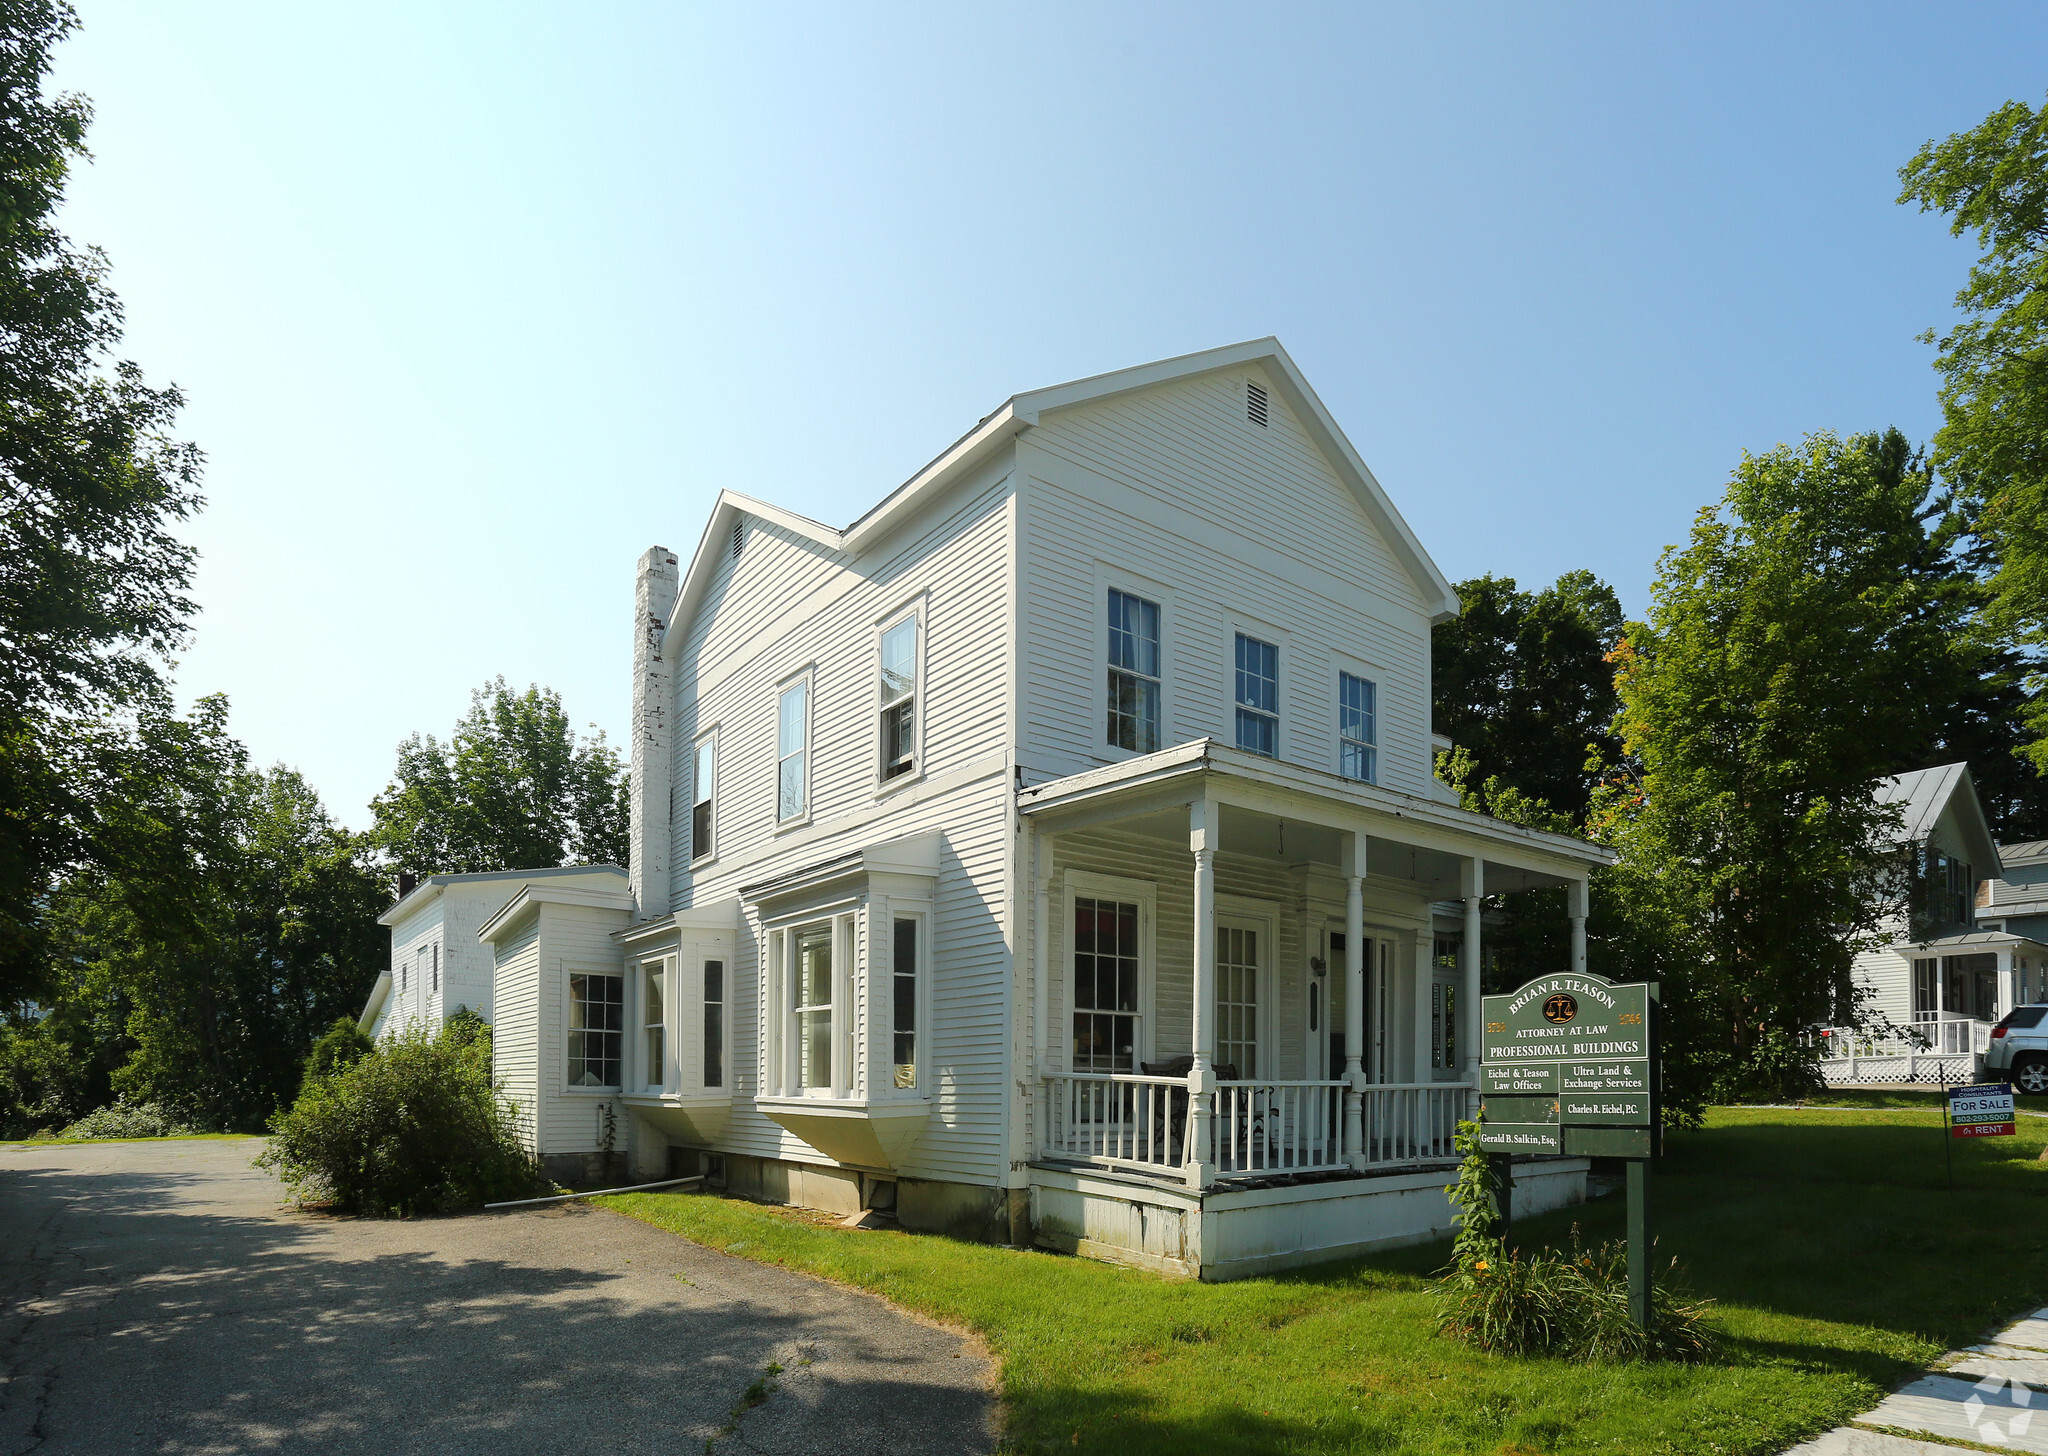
1170,1118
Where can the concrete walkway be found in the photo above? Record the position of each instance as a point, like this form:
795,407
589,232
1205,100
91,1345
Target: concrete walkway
155,1297
1988,1395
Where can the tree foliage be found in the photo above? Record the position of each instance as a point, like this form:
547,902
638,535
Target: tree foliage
1992,181
514,788
238,924
1521,683
1799,647
92,580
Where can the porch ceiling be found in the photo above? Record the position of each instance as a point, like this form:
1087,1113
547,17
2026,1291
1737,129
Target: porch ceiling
1284,814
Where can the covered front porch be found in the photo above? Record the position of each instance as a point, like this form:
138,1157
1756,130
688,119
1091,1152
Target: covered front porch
1255,991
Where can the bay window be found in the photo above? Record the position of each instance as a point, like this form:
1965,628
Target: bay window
811,990
904,955
714,1023
653,1023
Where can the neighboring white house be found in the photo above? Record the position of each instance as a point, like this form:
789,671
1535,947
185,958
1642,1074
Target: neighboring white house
438,966
1949,970
1049,855
2016,900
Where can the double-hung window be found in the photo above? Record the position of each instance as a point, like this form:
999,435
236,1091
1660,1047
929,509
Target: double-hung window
701,781
597,1029
812,997
653,1024
714,1023
792,751
899,698
1133,672
903,954
1258,696
1357,728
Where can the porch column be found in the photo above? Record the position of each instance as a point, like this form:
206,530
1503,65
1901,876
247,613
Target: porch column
1354,998
1474,887
1581,893
2008,982
1425,989
1041,988
1202,837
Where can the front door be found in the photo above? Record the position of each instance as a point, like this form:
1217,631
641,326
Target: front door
1326,1010
1240,967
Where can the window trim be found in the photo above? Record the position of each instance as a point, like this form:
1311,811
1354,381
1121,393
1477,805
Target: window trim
805,678
919,695
1108,578
708,738
1084,884
579,968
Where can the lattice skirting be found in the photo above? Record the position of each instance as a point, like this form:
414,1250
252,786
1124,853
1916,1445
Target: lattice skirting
1921,1070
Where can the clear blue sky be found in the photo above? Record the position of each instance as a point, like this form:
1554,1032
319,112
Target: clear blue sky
475,302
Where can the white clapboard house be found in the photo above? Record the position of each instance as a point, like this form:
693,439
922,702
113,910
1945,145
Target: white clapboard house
1047,856
1950,967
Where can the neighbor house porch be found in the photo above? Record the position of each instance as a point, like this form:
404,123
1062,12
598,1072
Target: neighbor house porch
1255,993
1959,987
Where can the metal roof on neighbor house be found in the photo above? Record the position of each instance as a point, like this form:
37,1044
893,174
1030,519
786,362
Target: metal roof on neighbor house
1924,793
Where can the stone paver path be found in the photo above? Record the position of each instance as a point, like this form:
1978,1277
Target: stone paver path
155,1297
1988,1395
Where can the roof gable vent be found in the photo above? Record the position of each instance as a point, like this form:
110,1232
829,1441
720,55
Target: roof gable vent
739,538
1255,403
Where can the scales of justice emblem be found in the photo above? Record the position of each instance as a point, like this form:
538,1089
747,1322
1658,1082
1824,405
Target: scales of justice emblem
1559,1009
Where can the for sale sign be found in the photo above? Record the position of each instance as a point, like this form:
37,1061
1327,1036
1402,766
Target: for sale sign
1982,1111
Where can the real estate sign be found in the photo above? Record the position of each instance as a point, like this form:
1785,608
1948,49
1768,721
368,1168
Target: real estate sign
1981,1111
1567,1065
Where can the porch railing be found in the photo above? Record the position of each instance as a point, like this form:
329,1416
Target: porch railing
1949,1037
1118,1120
1255,1127
1277,1127
1413,1122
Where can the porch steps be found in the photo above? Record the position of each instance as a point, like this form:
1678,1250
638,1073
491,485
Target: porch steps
1994,1394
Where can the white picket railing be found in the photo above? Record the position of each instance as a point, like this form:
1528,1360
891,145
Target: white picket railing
1119,1120
1277,1127
1413,1122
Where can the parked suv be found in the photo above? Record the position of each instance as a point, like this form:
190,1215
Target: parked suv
2019,1048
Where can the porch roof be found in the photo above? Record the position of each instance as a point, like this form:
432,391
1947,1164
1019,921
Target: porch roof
1262,799
1971,940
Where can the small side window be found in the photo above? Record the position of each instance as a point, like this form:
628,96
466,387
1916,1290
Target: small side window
792,751
702,782
899,699
714,1023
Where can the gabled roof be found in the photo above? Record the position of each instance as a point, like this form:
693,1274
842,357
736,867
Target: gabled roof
1021,411
1926,793
2023,853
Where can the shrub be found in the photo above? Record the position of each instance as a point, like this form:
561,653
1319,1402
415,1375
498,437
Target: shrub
339,1048
1506,1302
124,1119
416,1125
44,1083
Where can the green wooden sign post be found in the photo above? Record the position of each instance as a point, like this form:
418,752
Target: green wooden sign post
1568,1065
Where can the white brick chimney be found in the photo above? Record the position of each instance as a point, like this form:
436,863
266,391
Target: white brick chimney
654,597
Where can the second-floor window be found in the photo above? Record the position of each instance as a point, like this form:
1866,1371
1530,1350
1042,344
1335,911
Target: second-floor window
1258,696
700,808
899,699
792,745
1133,672
1357,728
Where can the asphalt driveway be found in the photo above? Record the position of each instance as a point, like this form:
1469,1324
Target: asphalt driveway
155,1297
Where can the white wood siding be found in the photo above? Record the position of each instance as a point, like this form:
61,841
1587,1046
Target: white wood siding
574,938
1174,485
792,605
515,1032
412,946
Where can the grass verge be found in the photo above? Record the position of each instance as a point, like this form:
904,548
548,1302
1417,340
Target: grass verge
183,1137
1840,1262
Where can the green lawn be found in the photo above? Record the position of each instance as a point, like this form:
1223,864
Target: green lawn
1838,1258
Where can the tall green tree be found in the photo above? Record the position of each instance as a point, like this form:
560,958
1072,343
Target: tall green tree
92,485
515,787
240,922
1522,684
1799,646
1992,181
